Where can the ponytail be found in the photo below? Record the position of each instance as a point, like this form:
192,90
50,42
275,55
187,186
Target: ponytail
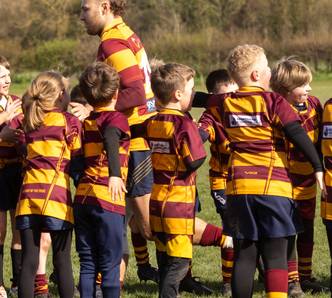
41,98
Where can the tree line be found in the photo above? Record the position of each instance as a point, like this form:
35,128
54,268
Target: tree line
44,34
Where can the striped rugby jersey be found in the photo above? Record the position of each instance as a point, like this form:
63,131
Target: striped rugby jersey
326,134
301,172
46,185
174,141
122,48
219,152
253,120
93,186
10,151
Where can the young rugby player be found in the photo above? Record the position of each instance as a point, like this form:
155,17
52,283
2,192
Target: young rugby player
177,151
326,202
259,191
291,78
45,204
99,205
10,172
122,48
219,82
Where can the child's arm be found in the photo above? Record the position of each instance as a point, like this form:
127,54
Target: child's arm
200,99
192,149
116,185
290,124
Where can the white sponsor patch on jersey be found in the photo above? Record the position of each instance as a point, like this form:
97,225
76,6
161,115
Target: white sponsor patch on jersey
159,147
327,131
245,120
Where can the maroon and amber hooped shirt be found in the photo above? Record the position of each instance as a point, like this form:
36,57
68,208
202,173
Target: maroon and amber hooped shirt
253,120
175,141
121,48
46,185
93,186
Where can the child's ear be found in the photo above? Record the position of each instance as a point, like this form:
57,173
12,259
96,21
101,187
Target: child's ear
255,75
178,94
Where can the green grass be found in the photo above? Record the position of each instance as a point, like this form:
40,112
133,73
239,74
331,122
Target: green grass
206,261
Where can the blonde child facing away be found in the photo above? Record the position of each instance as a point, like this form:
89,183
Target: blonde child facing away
53,139
255,122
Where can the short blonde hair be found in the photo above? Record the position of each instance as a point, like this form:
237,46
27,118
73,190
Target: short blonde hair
168,78
289,74
42,97
241,60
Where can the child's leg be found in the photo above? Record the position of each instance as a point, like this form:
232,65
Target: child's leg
274,254
87,250
293,273
3,228
305,240
245,259
41,283
328,225
174,271
16,251
109,240
61,246
30,256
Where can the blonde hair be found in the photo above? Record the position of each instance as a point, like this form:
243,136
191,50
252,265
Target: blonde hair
42,97
241,60
289,74
168,78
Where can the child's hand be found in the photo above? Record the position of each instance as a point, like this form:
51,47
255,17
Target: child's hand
12,109
321,184
116,188
10,135
80,111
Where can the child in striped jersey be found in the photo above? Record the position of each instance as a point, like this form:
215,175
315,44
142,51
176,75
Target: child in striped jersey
10,171
291,78
177,151
99,205
326,202
259,190
219,82
45,205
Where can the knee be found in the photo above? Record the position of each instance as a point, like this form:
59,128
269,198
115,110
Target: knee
45,242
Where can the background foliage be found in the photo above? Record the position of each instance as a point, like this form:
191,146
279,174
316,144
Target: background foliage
44,34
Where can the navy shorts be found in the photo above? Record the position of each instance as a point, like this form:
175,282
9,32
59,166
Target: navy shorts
10,185
219,199
140,174
255,217
327,223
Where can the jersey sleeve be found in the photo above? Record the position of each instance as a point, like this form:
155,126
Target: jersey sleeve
118,54
282,113
74,134
191,145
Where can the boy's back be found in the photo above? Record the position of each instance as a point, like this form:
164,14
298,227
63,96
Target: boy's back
253,119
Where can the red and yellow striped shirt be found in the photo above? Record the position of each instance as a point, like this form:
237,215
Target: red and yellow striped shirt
93,186
219,152
253,120
175,141
301,172
326,203
121,48
46,185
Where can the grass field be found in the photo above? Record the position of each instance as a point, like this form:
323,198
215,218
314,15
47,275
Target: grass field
206,261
